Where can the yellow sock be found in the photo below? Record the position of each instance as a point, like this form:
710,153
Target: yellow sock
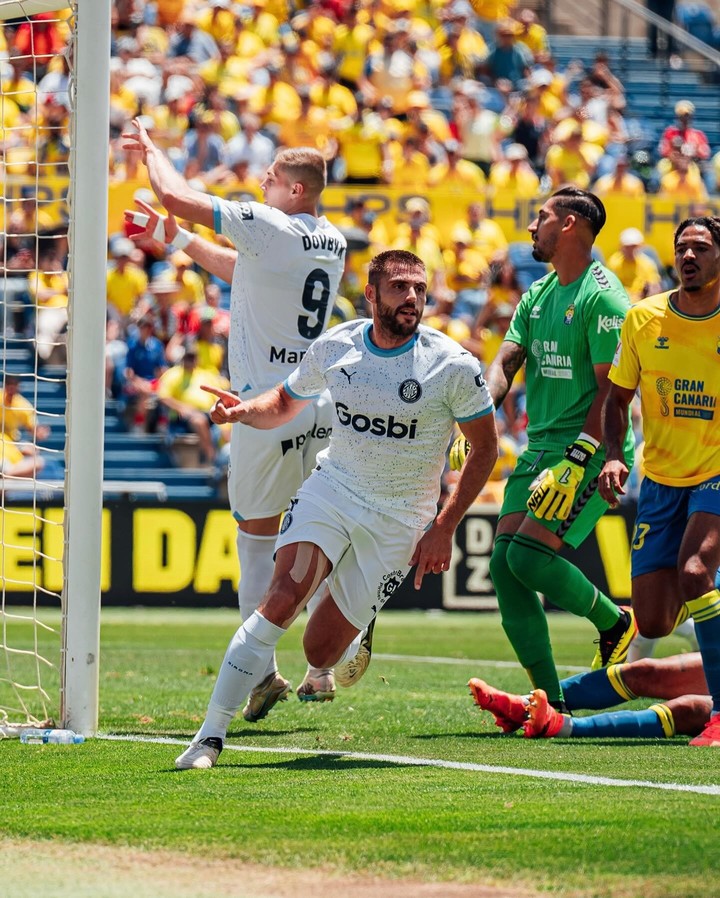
705,607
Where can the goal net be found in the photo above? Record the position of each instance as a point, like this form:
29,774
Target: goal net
54,75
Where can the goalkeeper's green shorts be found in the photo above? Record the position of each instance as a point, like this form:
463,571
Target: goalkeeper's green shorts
529,465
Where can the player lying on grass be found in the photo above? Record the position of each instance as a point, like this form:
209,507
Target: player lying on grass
679,681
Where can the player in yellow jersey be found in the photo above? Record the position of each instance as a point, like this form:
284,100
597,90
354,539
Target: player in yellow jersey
670,348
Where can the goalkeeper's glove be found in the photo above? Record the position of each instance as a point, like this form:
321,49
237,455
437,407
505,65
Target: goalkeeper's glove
553,491
458,453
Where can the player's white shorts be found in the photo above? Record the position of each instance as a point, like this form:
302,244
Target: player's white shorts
370,552
267,466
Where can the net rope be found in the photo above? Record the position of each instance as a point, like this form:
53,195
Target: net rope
36,166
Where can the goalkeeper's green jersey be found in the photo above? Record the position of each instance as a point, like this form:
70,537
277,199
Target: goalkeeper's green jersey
566,331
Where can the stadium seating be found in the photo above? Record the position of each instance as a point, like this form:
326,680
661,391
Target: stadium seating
651,87
129,458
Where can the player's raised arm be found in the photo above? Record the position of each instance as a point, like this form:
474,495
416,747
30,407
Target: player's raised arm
216,259
264,412
171,189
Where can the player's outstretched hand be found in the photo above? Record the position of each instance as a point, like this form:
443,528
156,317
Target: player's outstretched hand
149,224
228,409
432,554
611,481
138,140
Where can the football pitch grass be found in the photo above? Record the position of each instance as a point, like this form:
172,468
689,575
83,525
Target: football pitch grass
401,776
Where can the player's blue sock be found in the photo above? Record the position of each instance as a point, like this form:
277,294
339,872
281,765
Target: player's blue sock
597,689
705,611
654,723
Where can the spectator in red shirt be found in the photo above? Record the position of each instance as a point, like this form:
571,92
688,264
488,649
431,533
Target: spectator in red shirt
694,142
40,39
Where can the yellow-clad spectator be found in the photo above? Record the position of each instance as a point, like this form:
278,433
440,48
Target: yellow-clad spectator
683,180
465,273
487,235
419,236
17,86
419,112
264,23
460,47
531,33
14,463
478,127
27,220
218,21
126,283
318,24
180,390
153,42
455,174
17,414
571,161
359,219
594,133
515,174
540,84
418,212
363,148
276,102
489,13
637,272
359,215
411,168
48,288
249,46
686,180
620,182
394,71
170,118
327,93
230,69
224,122
353,41
190,285
312,128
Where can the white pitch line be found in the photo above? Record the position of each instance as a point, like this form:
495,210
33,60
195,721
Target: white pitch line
446,765
429,659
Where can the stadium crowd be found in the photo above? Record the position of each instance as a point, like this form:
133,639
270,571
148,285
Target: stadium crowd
415,94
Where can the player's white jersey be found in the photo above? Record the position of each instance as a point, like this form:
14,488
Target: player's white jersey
394,414
285,281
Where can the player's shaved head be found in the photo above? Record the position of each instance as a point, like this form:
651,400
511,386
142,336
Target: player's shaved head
305,165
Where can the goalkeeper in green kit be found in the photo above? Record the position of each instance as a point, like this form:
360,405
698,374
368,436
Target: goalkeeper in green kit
566,327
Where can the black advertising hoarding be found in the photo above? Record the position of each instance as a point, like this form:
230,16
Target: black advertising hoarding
183,554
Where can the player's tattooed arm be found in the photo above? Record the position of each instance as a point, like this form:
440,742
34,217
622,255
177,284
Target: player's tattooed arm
501,372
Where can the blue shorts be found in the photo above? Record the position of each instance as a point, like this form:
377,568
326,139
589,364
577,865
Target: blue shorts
662,516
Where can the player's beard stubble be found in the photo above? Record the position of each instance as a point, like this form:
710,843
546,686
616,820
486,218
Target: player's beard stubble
390,321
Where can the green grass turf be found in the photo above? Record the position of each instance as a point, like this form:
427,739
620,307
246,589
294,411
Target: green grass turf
352,814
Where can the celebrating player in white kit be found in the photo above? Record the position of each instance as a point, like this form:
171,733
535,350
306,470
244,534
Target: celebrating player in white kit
285,275
367,513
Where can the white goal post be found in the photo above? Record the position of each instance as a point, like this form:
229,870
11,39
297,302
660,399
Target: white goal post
87,205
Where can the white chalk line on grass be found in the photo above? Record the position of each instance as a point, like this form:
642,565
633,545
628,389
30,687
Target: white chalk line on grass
429,659
446,765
